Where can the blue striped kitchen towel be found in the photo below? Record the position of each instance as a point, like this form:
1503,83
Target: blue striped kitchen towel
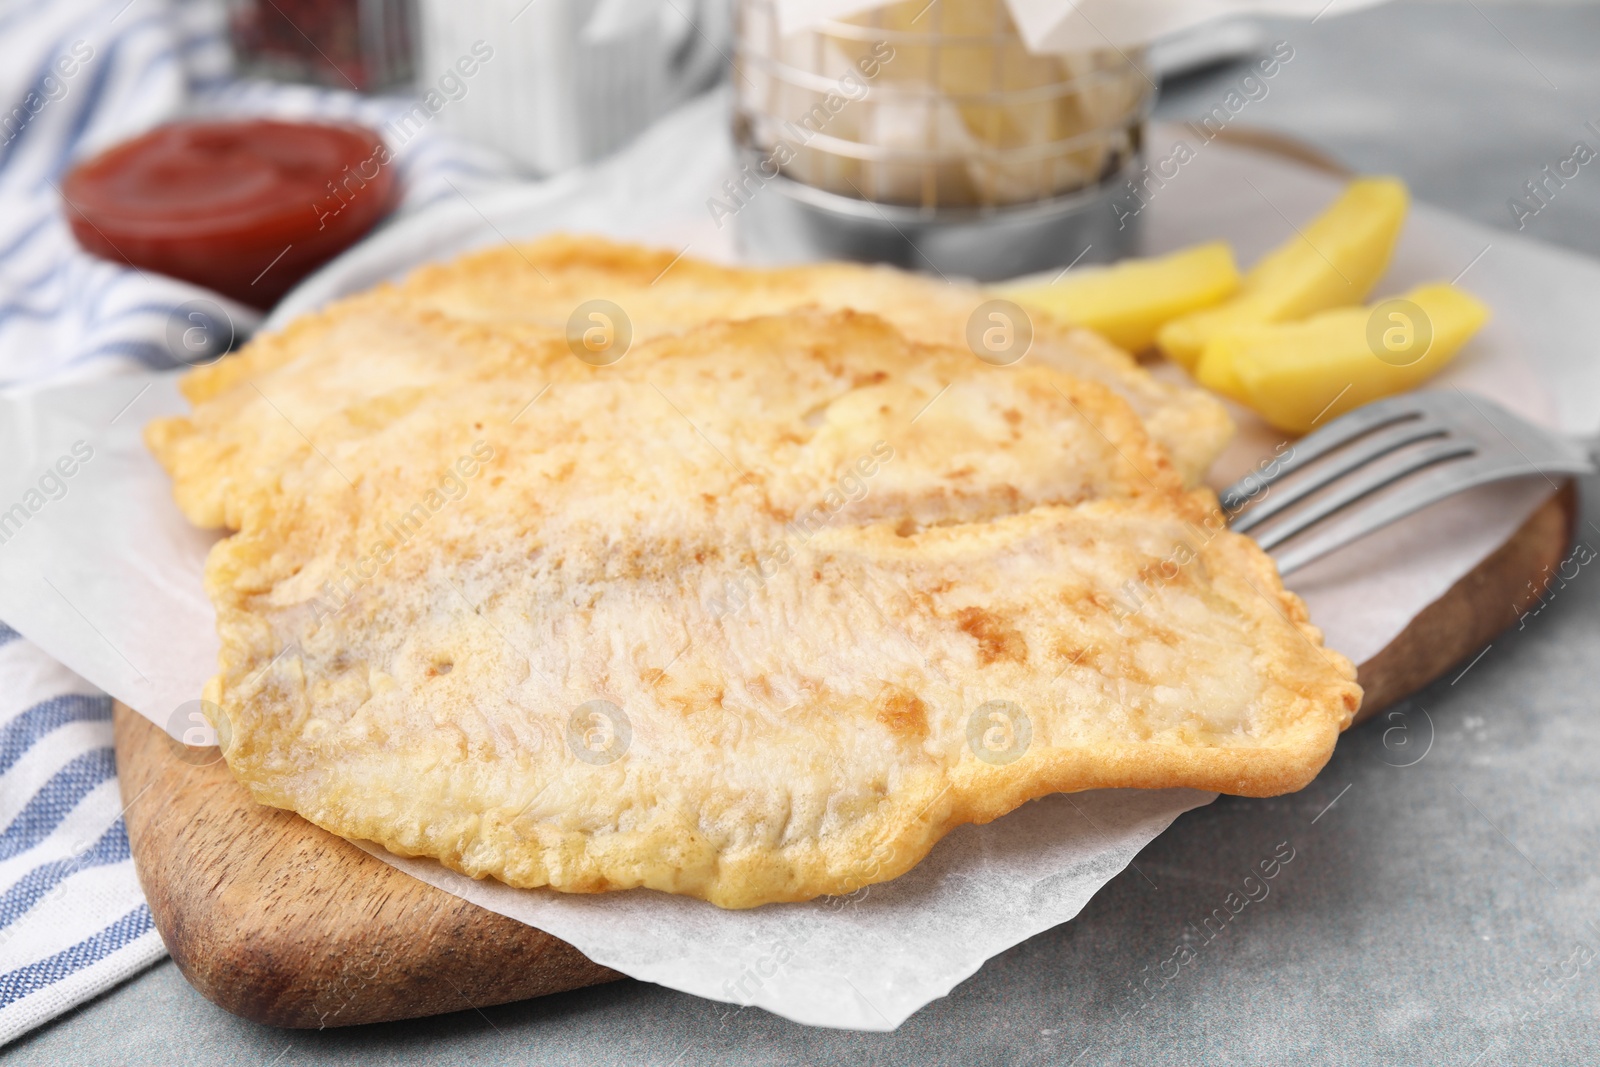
76,76
72,918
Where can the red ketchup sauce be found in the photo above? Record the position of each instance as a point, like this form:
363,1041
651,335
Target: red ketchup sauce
244,207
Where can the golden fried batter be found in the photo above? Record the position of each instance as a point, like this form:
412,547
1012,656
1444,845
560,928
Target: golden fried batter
536,286
321,378
758,613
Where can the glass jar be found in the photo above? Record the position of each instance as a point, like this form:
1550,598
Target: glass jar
934,108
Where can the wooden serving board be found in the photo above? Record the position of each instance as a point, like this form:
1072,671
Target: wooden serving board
284,923
281,922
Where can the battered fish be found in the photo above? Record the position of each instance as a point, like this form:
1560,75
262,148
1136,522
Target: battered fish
509,306
757,614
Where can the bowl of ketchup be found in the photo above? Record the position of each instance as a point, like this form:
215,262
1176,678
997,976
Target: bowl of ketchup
245,207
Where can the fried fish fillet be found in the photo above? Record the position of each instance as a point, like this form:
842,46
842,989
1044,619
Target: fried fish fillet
533,288
757,614
318,379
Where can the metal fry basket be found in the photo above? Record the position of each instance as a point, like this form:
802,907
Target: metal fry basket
928,136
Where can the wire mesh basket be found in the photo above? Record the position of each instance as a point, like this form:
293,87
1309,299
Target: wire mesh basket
933,114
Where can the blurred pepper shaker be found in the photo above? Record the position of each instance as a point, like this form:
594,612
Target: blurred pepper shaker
344,44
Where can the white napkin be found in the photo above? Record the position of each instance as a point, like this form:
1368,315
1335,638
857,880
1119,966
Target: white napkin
1078,25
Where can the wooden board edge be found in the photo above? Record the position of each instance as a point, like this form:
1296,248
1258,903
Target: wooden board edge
1282,145
255,905
1484,602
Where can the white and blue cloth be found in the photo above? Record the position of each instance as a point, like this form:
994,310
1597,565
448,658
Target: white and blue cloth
72,918
75,77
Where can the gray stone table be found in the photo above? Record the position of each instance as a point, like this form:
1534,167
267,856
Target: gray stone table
1443,912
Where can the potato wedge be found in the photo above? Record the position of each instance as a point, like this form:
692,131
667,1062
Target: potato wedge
1214,369
1333,262
1303,374
1127,303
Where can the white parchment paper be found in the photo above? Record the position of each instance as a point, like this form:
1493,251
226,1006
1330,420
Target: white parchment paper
105,574
1076,25
868,960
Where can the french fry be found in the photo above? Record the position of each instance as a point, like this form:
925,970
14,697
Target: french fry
1302,374
1127,303
1333,262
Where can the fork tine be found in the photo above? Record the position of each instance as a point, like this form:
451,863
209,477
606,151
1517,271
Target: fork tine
1375,445
1364,485
1315,445
1429,489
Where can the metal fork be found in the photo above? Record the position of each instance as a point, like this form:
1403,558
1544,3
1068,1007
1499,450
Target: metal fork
1427,445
